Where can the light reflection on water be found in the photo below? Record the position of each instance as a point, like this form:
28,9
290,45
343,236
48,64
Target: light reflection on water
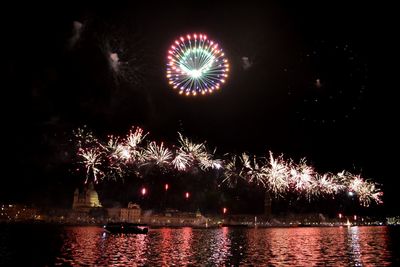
346,246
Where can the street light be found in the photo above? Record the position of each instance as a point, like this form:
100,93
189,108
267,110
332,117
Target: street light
166,187
187,195
224,210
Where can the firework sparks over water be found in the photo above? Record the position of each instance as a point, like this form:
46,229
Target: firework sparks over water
117,156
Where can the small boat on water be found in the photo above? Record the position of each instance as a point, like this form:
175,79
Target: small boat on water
126,228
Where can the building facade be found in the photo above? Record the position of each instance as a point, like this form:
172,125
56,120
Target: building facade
86,199
131,214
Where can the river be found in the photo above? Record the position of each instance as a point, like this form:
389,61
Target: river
46,245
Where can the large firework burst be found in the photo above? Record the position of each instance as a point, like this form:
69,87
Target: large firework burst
196,65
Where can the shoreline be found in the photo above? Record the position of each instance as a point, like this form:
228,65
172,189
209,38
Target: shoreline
213,226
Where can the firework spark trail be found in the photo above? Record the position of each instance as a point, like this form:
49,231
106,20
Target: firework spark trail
198,154
119,156
231,171
252,172
92,159
302,177
135,137
128,149
327,184
366,191
158,155
114,149
182,161
191,148
278,173
206,162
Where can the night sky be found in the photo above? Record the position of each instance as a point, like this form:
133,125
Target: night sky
307,80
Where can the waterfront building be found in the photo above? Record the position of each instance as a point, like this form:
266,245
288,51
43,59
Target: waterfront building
86,199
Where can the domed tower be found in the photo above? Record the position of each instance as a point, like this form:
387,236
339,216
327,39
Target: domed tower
92,198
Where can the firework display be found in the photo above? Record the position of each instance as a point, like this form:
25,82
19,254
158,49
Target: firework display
118,156
196,65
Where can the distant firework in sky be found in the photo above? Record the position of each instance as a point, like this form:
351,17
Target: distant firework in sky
196,65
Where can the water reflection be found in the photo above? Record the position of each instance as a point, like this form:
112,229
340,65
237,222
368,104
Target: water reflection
171,241
219,246
92,246
369,244
354,245
330,246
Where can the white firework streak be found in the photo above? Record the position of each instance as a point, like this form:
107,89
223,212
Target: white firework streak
206,161
117,156
328,184
115,149
125,153
231,171
375,194
199,153
158,155
190,147
209,163
217,164
278,173
92,159
345,178
127,150
135,137
113,143
366,191
245,161
302,177
252,172
182,161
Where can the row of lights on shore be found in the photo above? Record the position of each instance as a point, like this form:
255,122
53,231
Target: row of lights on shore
144,191
340,215
224,210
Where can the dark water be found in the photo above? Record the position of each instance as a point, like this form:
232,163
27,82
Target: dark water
44,245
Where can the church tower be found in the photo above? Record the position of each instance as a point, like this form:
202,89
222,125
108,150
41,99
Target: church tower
86,199
93,198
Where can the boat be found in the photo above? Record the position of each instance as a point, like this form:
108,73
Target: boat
126,228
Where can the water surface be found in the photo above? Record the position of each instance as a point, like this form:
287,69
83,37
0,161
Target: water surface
33,245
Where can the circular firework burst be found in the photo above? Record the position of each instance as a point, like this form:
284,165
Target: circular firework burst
196,65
